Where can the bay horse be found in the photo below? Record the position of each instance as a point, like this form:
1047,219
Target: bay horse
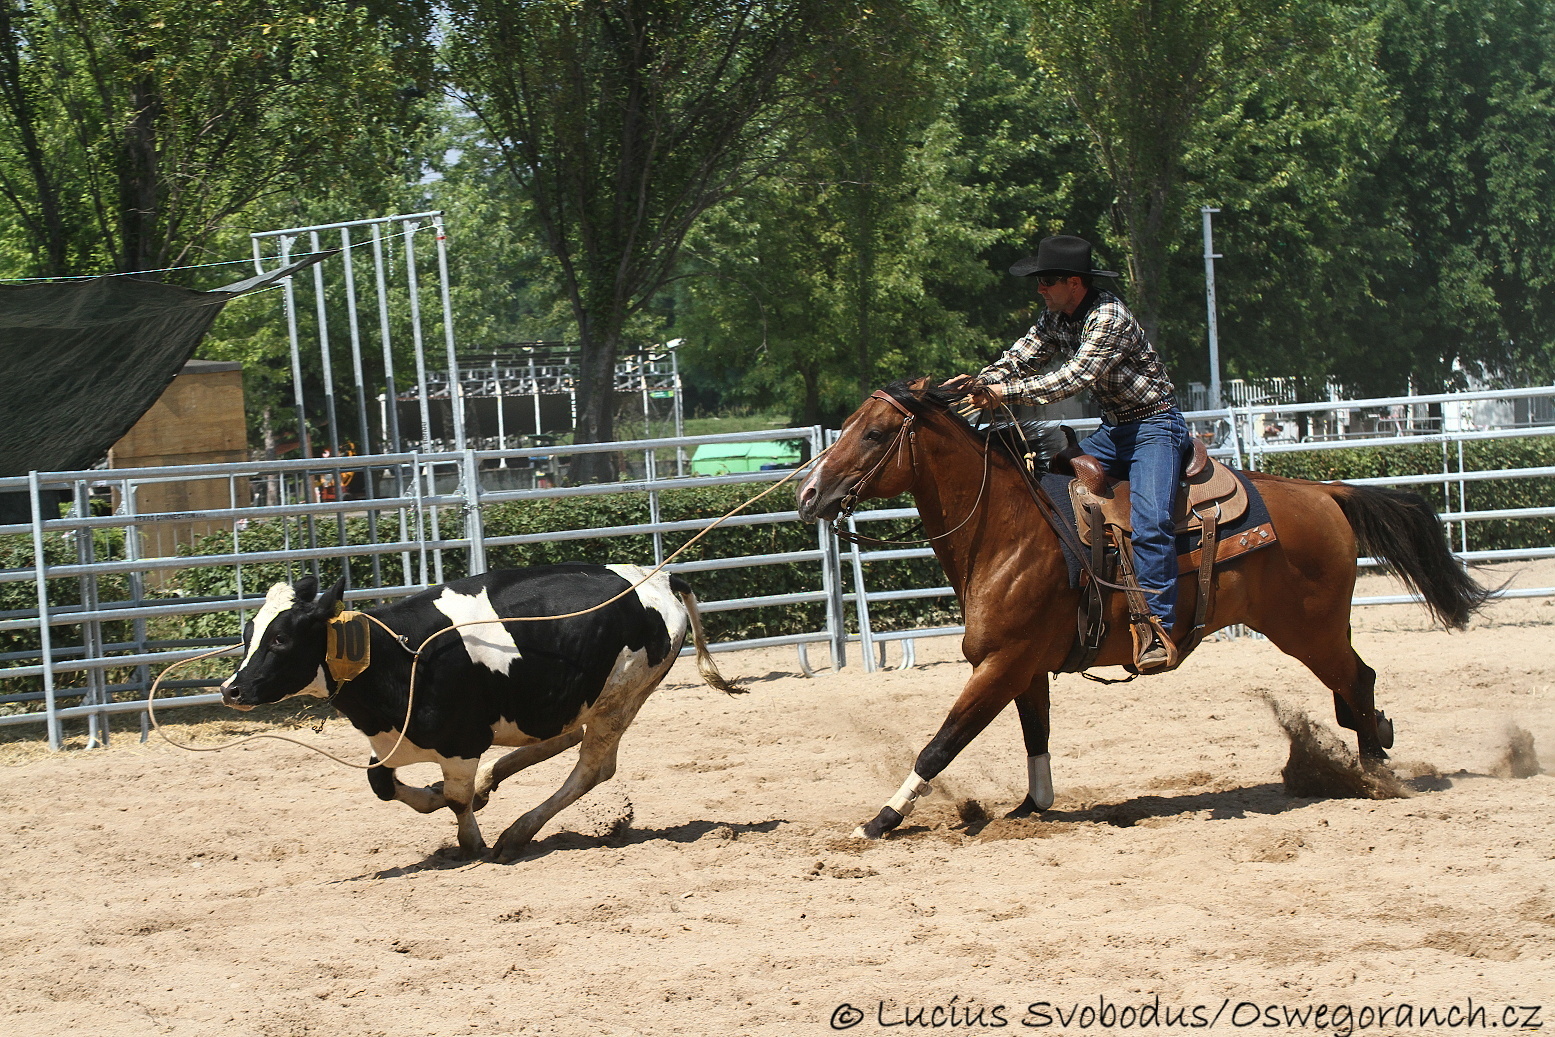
1008,571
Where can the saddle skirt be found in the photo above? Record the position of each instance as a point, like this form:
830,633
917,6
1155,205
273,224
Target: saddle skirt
1213,490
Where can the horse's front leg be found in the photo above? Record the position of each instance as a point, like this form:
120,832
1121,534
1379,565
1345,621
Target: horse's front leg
994,683
1032,705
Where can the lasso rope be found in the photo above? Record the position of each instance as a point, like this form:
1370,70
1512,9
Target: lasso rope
415,653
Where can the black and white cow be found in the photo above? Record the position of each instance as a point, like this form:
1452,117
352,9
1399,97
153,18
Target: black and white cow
543,686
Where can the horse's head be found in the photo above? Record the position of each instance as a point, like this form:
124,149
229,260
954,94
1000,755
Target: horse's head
873,457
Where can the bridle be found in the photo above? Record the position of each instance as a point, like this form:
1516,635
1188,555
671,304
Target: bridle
904,437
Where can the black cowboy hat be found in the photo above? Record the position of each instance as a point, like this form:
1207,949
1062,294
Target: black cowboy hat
1063,254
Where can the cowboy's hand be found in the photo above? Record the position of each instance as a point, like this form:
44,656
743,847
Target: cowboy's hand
986,396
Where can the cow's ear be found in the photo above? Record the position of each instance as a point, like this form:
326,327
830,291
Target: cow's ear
305,589
332,602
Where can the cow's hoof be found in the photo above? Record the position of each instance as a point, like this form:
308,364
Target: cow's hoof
510,847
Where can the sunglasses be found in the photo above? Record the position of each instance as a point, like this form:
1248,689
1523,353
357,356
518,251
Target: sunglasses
1049,280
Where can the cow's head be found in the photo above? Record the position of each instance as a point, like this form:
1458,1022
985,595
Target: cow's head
284,645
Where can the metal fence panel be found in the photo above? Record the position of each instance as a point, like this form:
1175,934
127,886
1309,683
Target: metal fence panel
122,622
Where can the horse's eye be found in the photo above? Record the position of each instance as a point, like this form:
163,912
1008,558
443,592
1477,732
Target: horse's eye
873,435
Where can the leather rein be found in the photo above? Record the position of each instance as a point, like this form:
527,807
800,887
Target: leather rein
904,434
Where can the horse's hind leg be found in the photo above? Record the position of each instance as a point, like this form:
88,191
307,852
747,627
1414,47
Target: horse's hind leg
1353,683
992,687
1032,705
1366,698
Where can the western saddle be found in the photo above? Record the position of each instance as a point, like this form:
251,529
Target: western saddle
1209,495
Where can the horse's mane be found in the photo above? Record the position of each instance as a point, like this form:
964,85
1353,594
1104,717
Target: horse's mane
1013,438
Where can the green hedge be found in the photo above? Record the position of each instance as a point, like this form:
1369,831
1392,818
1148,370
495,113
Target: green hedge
543,516
553,515
1429,459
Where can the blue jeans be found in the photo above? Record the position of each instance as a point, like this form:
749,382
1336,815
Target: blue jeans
1150,455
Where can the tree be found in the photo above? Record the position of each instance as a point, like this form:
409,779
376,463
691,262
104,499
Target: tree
620,122
1470,172
826,277
1141,75
131,132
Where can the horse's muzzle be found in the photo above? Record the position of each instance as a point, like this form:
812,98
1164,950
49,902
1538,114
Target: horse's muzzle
818,502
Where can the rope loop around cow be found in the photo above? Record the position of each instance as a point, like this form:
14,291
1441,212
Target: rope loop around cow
415,653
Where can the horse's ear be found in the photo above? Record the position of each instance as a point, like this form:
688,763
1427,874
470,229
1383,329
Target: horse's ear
920,383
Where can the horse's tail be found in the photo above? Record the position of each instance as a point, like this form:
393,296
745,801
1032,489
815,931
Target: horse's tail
1402,530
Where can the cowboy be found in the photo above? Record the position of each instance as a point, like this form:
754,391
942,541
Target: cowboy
1143,437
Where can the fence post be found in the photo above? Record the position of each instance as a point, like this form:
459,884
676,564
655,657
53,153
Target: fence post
474,525
866,641
91,630
831,575
45,636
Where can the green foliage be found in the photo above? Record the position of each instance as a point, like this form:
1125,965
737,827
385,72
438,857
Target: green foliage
16,552
1488,495
841,259
519,518
619,124
133,132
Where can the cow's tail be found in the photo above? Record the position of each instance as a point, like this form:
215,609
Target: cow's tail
705,664
1402,530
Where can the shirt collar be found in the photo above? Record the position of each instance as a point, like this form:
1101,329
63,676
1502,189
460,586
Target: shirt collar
1087,304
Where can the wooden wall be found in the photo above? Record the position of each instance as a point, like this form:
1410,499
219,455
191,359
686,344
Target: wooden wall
198,420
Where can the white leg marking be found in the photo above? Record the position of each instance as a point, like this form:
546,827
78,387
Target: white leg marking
1039,780
408,752
459,790
904,801
488,644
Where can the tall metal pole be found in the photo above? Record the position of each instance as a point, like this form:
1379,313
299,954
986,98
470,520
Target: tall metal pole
391,428
415,328
325,361
455,386
1209,297
303,438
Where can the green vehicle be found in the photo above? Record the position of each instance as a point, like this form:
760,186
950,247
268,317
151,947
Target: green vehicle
733,458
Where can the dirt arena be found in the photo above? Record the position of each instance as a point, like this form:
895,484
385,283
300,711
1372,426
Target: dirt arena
712,888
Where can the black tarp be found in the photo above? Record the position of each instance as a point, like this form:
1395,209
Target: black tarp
80,362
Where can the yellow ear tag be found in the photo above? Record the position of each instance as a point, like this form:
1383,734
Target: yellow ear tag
347,646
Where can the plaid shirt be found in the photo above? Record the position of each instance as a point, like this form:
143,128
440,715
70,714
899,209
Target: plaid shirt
1105,349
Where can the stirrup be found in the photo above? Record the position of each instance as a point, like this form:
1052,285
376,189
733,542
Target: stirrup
1157,636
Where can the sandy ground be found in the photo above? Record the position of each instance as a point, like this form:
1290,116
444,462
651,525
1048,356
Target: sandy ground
712,887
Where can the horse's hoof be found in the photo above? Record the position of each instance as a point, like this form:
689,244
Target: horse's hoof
859,833
1384,730
1027,808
